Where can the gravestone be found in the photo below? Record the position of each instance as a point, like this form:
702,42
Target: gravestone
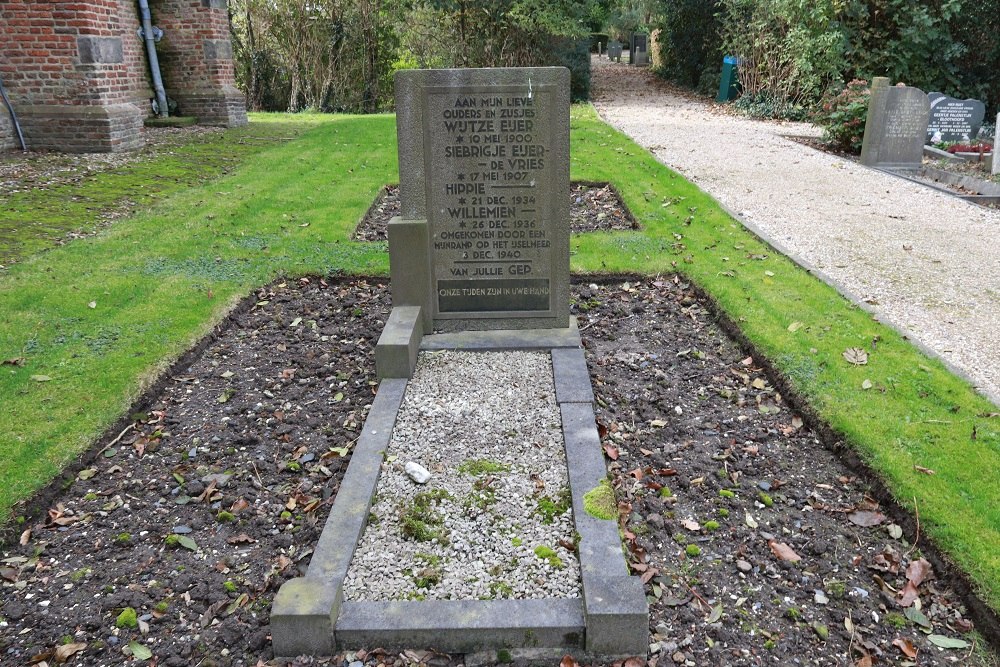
994,163
615,51
953,119
484,166
639,50
895,127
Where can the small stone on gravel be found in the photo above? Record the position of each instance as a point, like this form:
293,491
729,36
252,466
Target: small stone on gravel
417,472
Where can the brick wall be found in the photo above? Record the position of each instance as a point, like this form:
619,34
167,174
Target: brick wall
197,60
77,75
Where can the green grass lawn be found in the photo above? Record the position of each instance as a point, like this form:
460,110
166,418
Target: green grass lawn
30,223
97,320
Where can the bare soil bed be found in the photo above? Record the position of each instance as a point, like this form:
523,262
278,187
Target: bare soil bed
593,207
757,545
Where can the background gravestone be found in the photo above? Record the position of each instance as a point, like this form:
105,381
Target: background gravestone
895,127
995,164
953,119
484,160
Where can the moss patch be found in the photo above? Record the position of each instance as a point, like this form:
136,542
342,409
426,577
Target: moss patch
600,502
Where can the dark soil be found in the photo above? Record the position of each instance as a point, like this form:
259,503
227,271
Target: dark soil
593,207
216,494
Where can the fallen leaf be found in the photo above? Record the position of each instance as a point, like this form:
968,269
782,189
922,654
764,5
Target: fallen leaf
66,651
906,646
658,423
947,642
908,595
92,304
86,473
864,661
797,422
611,452
750,521
40,378
926,471
759,383
783,551
715,615
866,519
242,538
894,530
794,326
568,661
917,617
866,385
187,542
139,652
856,356
919,571
691,525
634,662
25,537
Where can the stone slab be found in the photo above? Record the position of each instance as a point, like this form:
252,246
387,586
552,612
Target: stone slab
301,609
994,162
895,126
572,379
599,549
462,626
617,616
499,339
397,346
409,267
484,158
303,615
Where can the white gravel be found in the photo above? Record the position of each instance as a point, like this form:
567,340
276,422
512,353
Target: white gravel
463,408
927,262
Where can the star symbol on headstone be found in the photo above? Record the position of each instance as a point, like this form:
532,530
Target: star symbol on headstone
459,139
461,177
461,225
461,200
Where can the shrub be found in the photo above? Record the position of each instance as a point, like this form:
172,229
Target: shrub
842,116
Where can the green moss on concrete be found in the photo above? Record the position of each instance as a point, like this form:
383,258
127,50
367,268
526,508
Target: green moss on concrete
600,502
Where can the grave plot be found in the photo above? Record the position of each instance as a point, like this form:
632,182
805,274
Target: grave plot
652,346
479,258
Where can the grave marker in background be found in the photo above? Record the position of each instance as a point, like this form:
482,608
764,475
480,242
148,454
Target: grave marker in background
895,127
953,119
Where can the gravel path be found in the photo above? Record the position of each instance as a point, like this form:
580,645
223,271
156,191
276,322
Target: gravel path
923,261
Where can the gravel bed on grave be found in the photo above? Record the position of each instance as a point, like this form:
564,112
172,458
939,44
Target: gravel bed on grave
924,260
487,427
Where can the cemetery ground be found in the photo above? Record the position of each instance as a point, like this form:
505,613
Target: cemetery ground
752,535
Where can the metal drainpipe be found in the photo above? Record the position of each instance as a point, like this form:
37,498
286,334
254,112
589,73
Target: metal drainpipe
13,117
154,63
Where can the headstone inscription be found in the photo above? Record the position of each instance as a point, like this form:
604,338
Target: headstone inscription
895,126
484,164
953,119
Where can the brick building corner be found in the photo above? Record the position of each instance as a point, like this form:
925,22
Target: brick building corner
77,75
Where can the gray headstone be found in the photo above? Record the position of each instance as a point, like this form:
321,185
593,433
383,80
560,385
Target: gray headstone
895,127
954,120
484,159
995,166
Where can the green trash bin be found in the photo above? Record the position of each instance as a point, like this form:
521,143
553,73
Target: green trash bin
729,87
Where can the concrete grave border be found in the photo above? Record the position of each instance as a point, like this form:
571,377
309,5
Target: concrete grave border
609,621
